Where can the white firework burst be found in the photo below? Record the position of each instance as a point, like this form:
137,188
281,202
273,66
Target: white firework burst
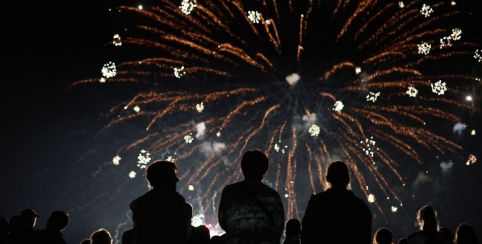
314,130
412,91
426,10
254,16
424,48
109,70
373,96
439,87
187,6
338,106
179,72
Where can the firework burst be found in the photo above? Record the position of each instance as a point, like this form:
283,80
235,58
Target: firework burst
305,81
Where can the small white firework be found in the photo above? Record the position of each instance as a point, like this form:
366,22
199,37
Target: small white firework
140,7
102,80
132,174
358,70
478,55
338,106
254,16
314,130
426,10
412,91
276,147
116,40
424,48
445,41
191,188
116,160
473,133
197,220
136,109
109,70
469,98
179,72
293,79
373,96
439,87
394,209
188,138
472,160
143,159
218,134
401,4
371,198
369,146
200,107
187,6
456,34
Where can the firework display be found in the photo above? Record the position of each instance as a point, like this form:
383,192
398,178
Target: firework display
308,82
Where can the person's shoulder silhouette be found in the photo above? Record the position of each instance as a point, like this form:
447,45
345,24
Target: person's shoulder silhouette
336,215
250,210
161,215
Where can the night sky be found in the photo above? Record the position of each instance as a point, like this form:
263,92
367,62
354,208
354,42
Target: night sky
55,155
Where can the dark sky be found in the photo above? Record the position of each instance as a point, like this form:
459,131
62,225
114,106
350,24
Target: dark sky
49,131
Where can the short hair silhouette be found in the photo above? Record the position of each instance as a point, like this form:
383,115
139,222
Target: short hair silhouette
254,164
338,174
293,227
383,236
427,219
58,220
161,172
101,236
465,234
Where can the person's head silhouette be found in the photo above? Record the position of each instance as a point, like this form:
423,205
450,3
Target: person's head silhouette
162,174
57,221
465,234
427,219
338,175
293,227
102,236
29,218
383,236
254,165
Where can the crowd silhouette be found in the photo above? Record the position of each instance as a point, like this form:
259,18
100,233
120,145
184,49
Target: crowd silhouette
249,212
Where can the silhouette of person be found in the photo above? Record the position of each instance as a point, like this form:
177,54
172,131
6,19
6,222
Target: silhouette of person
3,230
86,241
465,234
250,211
22,227
336,215
101,236
383,236
293,232
161,215
56,223
428,223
